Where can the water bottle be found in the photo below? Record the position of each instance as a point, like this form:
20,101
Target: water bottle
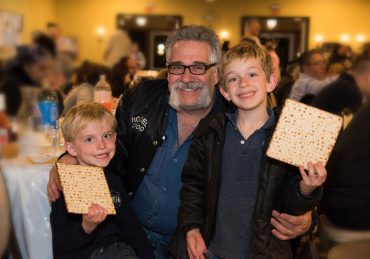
103,93
4,124
47,101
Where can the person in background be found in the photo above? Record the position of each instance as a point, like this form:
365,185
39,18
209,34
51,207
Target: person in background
122,74
138,55
118,46
30,67
285,85
86,78
214,180
312,78
156,121
341,54
347,92
89,131
347,195
252,31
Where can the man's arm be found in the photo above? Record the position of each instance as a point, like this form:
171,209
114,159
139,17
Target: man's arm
54,186
288,226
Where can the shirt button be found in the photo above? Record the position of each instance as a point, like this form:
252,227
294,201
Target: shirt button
242,141
130,194
142,169
155,142
175,160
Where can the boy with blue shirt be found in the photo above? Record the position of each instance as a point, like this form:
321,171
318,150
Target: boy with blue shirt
230,187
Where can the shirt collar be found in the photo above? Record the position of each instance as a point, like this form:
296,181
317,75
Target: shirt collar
232,116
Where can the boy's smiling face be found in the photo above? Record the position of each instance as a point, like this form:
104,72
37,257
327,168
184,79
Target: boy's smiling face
246,84
94,145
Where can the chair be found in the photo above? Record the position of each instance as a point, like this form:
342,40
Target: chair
331,235
351,250
4,217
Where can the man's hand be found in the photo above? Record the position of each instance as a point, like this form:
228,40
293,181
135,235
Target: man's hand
195,244
54,186
288,227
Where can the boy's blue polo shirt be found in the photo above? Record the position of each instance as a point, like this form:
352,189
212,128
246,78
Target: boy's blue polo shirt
158,197
241,165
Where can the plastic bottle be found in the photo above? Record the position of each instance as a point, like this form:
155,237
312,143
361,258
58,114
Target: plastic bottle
47,101
103,93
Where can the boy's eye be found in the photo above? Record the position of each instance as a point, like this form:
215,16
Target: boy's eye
231,79
89,140
251,75
107,135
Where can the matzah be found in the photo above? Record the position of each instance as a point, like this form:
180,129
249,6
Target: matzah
84,185
304,133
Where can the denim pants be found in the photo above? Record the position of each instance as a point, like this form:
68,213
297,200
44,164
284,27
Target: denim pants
114,250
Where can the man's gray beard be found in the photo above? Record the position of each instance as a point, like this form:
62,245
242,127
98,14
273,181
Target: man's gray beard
204,100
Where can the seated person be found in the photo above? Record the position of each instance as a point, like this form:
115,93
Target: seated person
90,134
313,77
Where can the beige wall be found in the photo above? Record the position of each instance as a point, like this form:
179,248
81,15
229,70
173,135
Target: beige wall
80,18
36,14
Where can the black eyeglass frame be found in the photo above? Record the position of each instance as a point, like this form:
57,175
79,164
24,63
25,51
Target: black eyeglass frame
206,67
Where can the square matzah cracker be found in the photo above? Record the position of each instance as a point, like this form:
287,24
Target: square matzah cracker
84,185
304,133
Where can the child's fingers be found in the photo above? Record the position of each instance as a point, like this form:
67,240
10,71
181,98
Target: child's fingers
303,173
321,172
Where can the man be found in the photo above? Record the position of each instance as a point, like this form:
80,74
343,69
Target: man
347,195
155,125
312,78
252,31
348,91
118,46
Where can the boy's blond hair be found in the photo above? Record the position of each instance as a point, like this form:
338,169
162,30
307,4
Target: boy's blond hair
80,115
246,50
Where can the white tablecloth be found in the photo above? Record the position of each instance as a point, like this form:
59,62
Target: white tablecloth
30,207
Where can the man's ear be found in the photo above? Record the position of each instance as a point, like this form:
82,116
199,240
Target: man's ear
70,148
271,84
225,93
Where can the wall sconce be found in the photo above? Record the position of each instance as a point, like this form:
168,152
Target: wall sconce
100,32
360,38
319,38
141,21
271,23
344,38
224,35
160,49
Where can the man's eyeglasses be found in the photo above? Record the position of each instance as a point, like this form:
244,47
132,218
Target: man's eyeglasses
198,69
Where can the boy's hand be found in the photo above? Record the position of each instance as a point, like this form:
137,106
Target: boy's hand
95,216
314,178
195,244
54,186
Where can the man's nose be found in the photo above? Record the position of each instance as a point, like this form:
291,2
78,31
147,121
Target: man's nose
187,76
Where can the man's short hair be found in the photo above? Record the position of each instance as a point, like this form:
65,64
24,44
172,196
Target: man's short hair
80,115
195,33
246,50
305,58
362,64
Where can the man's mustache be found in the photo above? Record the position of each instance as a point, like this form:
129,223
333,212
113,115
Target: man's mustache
188,86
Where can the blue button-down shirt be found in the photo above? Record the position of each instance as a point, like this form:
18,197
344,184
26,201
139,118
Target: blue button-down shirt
158,197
